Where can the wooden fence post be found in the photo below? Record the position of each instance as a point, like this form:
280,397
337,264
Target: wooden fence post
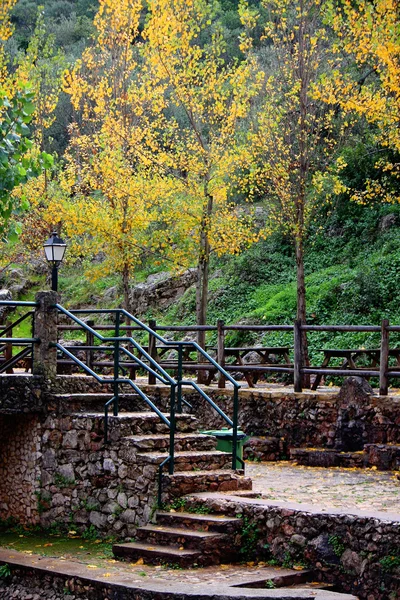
221,350
152,349
384,359
297,357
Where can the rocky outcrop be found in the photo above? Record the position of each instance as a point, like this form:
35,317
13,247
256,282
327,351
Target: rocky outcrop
161,290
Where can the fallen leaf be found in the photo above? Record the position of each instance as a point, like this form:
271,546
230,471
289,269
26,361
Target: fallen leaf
92,567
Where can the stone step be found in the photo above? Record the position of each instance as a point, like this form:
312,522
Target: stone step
189,461
133,423
189,482
200,522
95,402
155,554
174,536
183,441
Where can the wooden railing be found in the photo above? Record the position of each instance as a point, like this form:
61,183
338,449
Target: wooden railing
233,358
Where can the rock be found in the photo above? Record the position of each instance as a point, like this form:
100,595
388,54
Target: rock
321,550
161,290
67,471
128,516
111,293
5,295
351,561
98,519
387,222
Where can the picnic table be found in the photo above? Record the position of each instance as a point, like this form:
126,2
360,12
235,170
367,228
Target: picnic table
251,371
268,356
350,357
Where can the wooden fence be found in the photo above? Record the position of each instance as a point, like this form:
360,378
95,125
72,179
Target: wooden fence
235,359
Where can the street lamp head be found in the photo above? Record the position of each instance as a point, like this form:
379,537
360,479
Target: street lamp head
54,249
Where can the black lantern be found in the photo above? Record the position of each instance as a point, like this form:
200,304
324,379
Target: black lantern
54,250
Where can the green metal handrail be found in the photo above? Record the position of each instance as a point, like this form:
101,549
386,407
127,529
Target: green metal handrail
234,422
156,367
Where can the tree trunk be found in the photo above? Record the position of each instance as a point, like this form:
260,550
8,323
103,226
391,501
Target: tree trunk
304,167
126,290
202,279
301,304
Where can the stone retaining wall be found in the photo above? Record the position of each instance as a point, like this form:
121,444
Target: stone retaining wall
19,467
57,470
345,420
352,551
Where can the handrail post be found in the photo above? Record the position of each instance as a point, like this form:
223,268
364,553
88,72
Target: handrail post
116,363
297,366
172,421
152,348
45,324
180,377
235,426
221,351
89,342
8,349
384,359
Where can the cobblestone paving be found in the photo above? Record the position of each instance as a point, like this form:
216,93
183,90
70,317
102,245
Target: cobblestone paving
344,489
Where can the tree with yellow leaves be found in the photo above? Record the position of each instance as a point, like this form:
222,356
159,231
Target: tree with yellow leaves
289,157
191,112
108,209
368,39
164,102
19,160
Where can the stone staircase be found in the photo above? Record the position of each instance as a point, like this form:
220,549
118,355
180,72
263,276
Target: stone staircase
139,441
184,539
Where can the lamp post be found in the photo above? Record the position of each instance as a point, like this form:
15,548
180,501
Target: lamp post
54,249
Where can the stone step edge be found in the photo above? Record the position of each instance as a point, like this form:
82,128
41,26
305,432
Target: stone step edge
200,518
156,550
180,531
193,474
185,454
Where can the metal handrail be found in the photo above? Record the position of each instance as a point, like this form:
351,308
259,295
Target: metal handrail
236,386
158,369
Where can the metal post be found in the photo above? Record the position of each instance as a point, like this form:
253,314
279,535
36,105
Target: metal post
152,349
54,278
384,359
235,426
172,432
179,378
221,351
89,342
116,363
297,367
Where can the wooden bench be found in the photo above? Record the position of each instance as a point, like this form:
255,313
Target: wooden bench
350,358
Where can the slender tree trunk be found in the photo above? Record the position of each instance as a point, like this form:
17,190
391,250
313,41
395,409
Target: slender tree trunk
127,298
304,167
203,278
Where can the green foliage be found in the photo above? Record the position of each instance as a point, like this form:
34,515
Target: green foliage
61,481
270,585
337,545
390,562
249,539
90,533
5,571
16,164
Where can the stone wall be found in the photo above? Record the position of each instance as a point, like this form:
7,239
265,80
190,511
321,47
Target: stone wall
351,551
86,483
57,469
19,467
302,419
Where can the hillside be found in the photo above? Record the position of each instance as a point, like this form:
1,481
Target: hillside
352,269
